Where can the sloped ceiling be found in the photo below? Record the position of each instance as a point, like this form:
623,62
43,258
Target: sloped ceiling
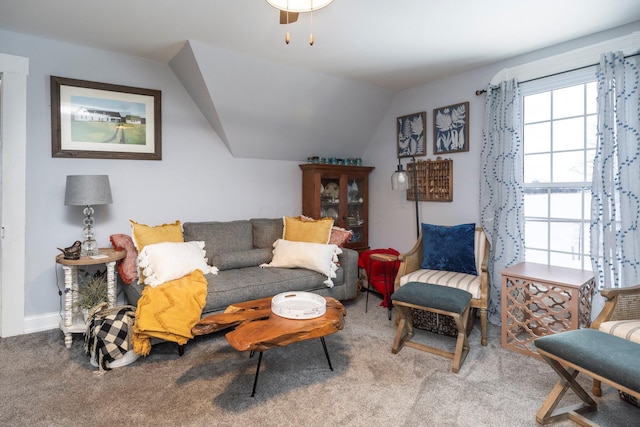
268,110
267,99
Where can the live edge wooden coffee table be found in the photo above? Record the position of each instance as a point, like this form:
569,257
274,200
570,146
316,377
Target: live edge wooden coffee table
257,328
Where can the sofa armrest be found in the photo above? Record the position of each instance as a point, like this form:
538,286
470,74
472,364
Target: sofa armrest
349,263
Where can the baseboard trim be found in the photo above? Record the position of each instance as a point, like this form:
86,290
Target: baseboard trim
41,322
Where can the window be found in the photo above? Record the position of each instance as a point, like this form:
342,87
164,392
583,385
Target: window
559,133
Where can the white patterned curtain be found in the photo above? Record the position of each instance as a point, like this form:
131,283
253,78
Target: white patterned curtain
615,194
501,185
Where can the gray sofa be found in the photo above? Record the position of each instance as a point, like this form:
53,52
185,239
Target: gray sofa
238,248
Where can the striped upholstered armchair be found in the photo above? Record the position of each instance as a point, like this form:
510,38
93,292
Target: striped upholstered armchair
620,316
478,285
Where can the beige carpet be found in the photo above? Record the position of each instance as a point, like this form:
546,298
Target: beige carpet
44,384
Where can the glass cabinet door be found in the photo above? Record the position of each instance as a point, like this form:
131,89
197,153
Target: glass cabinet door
340,193
330,198
356,215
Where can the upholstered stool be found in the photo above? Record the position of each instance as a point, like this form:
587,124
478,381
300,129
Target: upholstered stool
439,299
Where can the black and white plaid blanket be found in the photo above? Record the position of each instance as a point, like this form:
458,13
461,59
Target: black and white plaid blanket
108,333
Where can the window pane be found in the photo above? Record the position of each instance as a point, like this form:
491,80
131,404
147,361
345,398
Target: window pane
537,138
568,167
586,250
592,131
592,98
536,234
532,255
566,260
591,154
587,205
568,102
537,168
566,203
536,204
568,134
566,236
537,107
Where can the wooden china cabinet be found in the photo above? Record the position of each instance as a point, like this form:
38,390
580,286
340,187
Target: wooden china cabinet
339,192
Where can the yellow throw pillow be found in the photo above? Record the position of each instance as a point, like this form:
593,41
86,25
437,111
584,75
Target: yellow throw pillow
144,235
318,231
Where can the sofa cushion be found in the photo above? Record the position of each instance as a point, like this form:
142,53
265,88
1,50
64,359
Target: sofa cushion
266,231
297,230
163,262
244,284
339,236
449,248
318,257
143,234
219,236
240,259
128,267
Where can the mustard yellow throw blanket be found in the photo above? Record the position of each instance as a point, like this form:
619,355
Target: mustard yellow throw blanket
169,311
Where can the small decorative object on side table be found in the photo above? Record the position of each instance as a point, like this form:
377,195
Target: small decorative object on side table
539,300
69,324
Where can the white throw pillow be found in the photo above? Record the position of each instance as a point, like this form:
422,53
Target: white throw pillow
166,261
318,257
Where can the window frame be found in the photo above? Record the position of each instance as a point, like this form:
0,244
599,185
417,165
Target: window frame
546,84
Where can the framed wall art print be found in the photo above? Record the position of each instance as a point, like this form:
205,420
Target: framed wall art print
104,121
411,135
451,129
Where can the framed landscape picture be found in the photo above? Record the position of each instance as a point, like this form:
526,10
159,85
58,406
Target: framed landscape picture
100,120
451,129
411,135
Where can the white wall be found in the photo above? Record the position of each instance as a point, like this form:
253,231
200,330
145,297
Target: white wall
196,180
392,216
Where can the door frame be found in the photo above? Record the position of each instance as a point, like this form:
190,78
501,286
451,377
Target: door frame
14,70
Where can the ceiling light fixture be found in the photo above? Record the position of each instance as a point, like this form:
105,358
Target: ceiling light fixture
299,6
289,10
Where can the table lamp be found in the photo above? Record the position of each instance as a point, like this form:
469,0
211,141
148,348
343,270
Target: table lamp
87,191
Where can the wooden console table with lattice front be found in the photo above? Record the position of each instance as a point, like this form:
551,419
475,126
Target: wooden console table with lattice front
539,300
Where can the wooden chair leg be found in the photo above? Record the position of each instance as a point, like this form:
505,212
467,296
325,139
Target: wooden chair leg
483,326
404,330
548,413
462,343
597,388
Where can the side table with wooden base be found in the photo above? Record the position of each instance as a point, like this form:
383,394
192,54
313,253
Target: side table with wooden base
257,328
539,300
70,324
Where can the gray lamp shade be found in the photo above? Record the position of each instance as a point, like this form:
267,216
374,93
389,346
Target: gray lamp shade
87,190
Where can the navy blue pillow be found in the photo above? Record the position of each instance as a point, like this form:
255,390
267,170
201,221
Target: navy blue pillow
449,248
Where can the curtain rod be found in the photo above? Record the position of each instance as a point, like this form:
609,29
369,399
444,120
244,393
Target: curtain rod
481,91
